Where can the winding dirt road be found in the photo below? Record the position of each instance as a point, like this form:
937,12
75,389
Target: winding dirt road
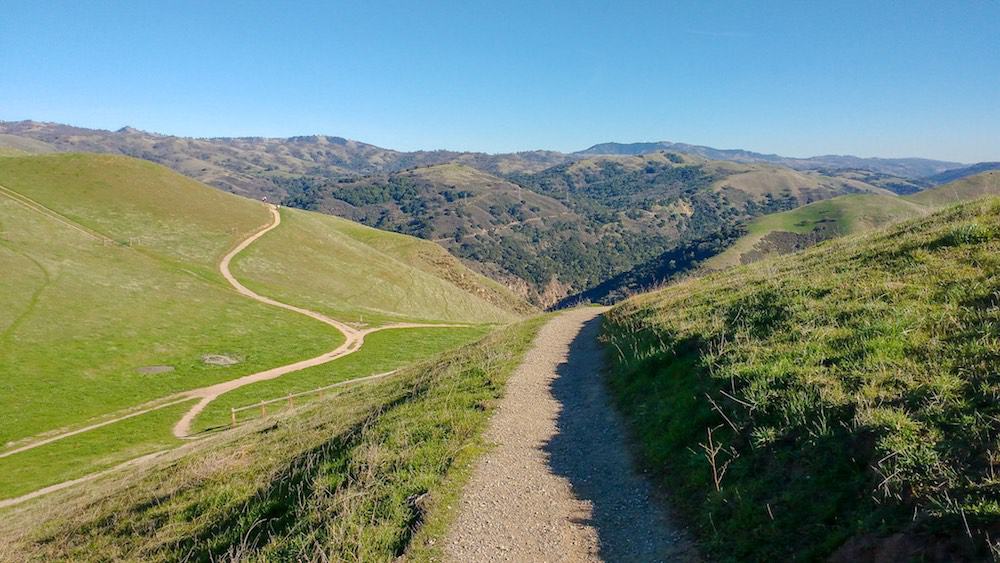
560,484
353,339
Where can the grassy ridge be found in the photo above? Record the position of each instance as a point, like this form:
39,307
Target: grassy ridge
850,391
845,215
352,477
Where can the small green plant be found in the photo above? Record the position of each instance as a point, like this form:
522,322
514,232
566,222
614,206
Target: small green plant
969,233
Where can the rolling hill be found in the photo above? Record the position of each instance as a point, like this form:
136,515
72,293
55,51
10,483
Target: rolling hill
785,232
249,165
912,168
114,299
835,404
552,227
568,229
255,166
959,173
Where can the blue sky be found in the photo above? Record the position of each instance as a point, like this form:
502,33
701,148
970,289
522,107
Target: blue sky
796,78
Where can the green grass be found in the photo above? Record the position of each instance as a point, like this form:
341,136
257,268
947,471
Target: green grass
78,318
852,389
851,214
89,452
383,351
357,273
352,477
114,269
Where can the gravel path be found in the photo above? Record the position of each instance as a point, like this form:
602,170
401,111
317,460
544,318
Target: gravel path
560,485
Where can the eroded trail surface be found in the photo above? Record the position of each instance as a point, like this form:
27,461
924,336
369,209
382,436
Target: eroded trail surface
560,484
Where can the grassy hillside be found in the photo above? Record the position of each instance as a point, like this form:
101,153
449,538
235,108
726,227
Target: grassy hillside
964,189
789,231
365,476
847,395
113,299
963,172
13,145
86,316
330,265
781,233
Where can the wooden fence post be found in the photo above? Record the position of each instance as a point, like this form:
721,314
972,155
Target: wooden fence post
232,416
291,403
263,409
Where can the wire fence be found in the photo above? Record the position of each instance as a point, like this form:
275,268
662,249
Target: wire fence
291,397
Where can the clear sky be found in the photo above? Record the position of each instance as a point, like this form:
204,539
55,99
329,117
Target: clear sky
872,78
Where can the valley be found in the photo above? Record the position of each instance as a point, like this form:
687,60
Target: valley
554,228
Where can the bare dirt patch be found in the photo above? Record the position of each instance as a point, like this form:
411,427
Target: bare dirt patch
151,370
219,360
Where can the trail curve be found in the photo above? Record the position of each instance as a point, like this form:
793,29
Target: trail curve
353,337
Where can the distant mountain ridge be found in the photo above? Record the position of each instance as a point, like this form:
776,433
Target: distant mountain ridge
242,158
249,166
913,168
959,173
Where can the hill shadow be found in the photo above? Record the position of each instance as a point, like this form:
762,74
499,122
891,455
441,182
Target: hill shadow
590,450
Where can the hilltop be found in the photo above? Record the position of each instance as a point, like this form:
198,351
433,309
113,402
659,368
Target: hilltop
255,166
959,173
840,402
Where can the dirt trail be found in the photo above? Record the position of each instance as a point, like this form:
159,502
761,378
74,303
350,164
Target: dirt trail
42,210
353,339
140,410
90,477
560,484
